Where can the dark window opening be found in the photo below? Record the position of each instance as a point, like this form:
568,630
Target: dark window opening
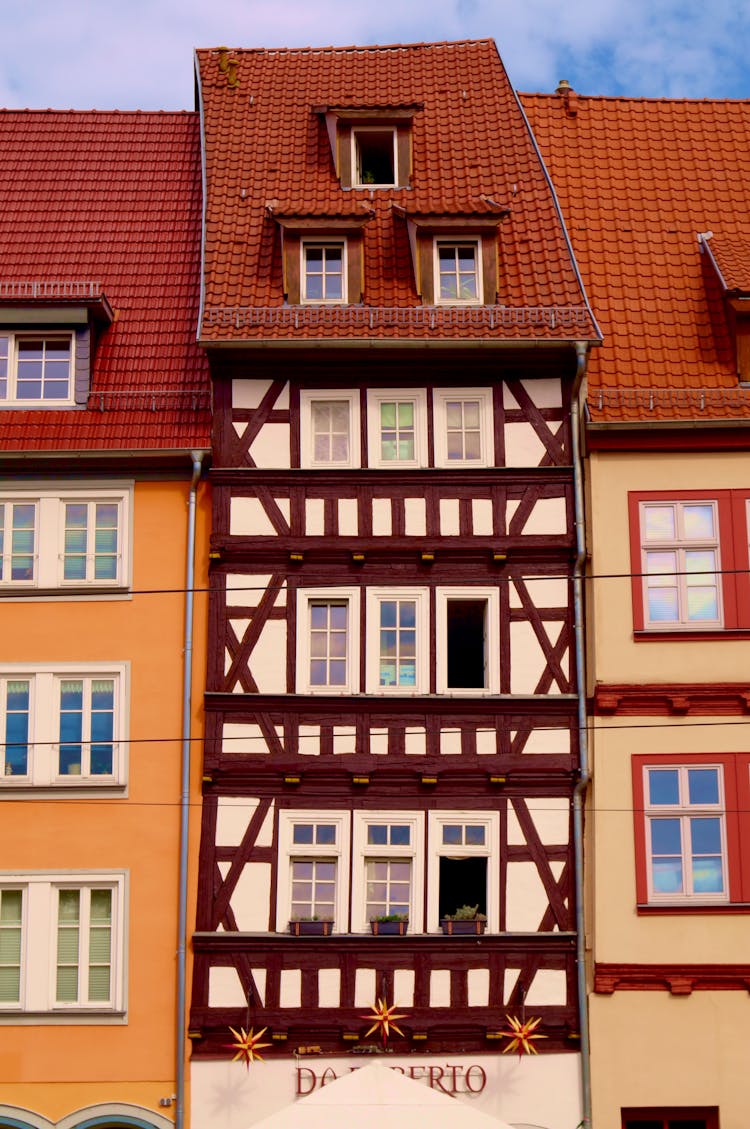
375,164
463,882
674,1118
466,644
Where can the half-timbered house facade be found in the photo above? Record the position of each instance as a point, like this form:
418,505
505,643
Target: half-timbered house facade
395,324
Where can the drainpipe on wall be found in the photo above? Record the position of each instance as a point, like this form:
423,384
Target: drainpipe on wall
187,693
579,793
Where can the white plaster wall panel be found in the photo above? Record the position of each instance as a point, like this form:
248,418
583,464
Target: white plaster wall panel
552,741
309,740
329,987
365,987
450,741
449,517
510,979
268,658
547,989
481,517
247,518
285,507
527,660
250,898
344,738
224,988
259,977
233,813
523,447
416,741
547,518
510,509
381,517
527,898
239,428
379,741
415,517
516,837
551,816
348,517
543,592
243,589
239,737
403,987
223,868
486,742
265,835
478,985
440,987
290,987
314,517
271,447
544,393
509,400
249,393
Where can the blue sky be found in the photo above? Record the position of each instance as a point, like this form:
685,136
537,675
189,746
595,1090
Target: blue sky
138,54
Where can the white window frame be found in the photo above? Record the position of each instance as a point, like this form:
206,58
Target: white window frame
9,505
378,396
455,242
317,244
362,851
491,639
436,849
12,399
421,597
289,851
44,724
305,598
38,989
441,397
357,181
680,545
308,398
49,535
684,811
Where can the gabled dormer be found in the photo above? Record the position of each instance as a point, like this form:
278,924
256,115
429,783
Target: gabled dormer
371,145
455,258
322,258
730,259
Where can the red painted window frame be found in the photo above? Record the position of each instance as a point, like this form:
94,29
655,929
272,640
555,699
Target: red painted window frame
736,772
709,1114
733,551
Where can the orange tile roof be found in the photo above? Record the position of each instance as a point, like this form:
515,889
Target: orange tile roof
266,141
112,199
638,181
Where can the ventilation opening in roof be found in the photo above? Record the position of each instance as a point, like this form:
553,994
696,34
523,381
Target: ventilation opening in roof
375,156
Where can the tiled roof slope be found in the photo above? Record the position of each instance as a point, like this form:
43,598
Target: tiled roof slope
114,198
264,141
638,181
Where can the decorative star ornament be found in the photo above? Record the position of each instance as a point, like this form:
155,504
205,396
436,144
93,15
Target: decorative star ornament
522,1036
383,1020
246,1045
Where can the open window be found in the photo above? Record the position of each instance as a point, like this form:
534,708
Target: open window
468,654
374,157
463,865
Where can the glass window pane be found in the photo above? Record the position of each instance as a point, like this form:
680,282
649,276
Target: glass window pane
400,835
705,835
302,833
665,837
666,875
377,835
659,523
699,522
663,786
703,785
452,834
475,835
325,834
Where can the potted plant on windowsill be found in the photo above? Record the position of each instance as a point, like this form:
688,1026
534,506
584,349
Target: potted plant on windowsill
311,926
389,924
466,920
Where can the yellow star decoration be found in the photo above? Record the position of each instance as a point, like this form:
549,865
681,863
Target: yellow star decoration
383,1020
522,1036
247,1045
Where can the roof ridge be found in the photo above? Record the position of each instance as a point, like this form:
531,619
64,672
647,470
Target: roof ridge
25,110
630,98
356,48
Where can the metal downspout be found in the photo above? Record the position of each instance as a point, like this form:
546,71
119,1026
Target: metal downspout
187,693
579,793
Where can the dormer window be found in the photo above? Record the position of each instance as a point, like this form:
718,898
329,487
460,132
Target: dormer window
374,158
457,272
324,271
36,369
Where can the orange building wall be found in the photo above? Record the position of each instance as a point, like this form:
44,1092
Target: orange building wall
52,1068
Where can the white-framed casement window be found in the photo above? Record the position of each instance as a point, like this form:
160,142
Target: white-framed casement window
313,876
398,642
387,875
36,369
686,844
463,427
329,428
458,271
61,726
323,271
397,427
468,640
680,562
62,941
463,866
328,635
374,157
65,539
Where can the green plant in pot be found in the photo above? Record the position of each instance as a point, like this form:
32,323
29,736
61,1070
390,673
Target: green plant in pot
389,924
466,920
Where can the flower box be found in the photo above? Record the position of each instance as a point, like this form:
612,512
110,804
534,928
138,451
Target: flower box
389,928
463,927
311,928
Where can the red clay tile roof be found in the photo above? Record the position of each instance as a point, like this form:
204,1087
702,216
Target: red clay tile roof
113,199
266,140
731,259
638,181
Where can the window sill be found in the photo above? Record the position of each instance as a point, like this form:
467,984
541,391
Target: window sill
689,634
81,1016
682,908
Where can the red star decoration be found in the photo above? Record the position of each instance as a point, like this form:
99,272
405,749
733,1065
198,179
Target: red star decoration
522,1036
383,1020
247,1045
